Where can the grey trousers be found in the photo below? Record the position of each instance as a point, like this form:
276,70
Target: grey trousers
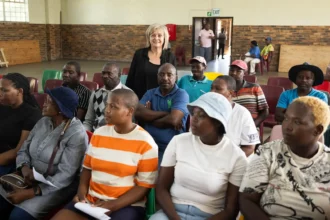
205,52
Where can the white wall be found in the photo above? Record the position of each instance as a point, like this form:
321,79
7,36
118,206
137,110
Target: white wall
44,11
256,12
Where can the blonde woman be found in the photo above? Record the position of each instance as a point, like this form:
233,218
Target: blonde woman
146,61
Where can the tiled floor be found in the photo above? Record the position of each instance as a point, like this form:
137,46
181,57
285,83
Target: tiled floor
36,70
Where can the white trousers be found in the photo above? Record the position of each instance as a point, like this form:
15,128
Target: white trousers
253,62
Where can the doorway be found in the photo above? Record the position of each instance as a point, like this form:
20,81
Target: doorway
216,23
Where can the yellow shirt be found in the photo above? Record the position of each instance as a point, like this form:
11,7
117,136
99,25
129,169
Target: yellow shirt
266,50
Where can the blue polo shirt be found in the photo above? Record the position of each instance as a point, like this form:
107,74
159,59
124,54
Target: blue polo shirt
288,96
193,87
255,51
177,99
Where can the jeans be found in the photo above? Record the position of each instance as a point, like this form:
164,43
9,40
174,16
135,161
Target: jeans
10,212
186,212
222,48
206,53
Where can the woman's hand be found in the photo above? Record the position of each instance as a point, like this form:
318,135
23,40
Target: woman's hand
28,175
20,196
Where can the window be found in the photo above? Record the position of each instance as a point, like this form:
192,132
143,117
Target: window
14,10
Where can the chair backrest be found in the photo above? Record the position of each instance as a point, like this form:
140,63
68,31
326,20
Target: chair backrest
250,78
83,76
280,81
90,85
98,79
325,86
34,82
123,79
50,74
41,98
53,83
272,94
125,71
89,134
151,203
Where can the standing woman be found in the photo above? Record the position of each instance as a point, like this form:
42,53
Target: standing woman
142,75
19,112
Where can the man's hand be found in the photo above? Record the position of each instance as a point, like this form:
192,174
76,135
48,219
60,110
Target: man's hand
80,197
20,196
28,175
111,205
148,105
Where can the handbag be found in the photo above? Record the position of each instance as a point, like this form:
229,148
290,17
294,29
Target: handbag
15,181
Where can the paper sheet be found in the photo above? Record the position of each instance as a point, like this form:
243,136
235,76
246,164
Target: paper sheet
248,54
96,212
39,177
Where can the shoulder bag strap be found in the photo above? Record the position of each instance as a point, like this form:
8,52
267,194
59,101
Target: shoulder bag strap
51,161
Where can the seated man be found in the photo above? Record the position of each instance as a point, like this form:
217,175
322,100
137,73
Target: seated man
95,113
305,76
267,52
197,84
120,165
241,129
163,110
253,57
249,95
71,75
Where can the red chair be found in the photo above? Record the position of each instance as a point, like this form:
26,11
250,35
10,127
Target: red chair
250,78
41,98
325,86
125,71
53,83
266,63
280,81
180,54
90,85
34,82
98,79
89,134
272,94
83,76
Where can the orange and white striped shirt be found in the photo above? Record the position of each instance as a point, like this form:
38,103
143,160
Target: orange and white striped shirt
119,162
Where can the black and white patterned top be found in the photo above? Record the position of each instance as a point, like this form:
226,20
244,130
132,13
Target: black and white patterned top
292,187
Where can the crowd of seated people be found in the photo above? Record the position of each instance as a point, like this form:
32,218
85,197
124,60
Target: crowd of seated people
204,168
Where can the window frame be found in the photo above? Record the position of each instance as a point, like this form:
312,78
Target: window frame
4,18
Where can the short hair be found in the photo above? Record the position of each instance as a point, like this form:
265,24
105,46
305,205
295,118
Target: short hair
152,28
130,98
169,65
230,81
75,64
319,108
115,65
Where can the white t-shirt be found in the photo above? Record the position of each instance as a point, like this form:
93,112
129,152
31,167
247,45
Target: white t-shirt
241,128
292,187
206,41
202,172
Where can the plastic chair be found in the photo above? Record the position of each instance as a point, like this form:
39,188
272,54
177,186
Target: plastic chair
212,75
151,203
41,98
325,86
180,54
53,83
34,82
98,79
250,78
123,79
125,71
280,81
50,74
266,63
90,85
83,76
272,94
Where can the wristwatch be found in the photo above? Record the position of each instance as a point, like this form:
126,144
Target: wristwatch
37,191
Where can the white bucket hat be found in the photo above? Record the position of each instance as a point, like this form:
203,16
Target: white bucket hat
215,106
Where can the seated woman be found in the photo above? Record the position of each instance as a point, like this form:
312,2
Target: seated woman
55,148
120,166
289,178
201,170
253,57
19,112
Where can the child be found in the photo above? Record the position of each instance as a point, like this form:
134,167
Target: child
120,165
197,84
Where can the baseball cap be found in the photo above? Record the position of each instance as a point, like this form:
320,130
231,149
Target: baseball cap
268,38
199,59
215,106
240,63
